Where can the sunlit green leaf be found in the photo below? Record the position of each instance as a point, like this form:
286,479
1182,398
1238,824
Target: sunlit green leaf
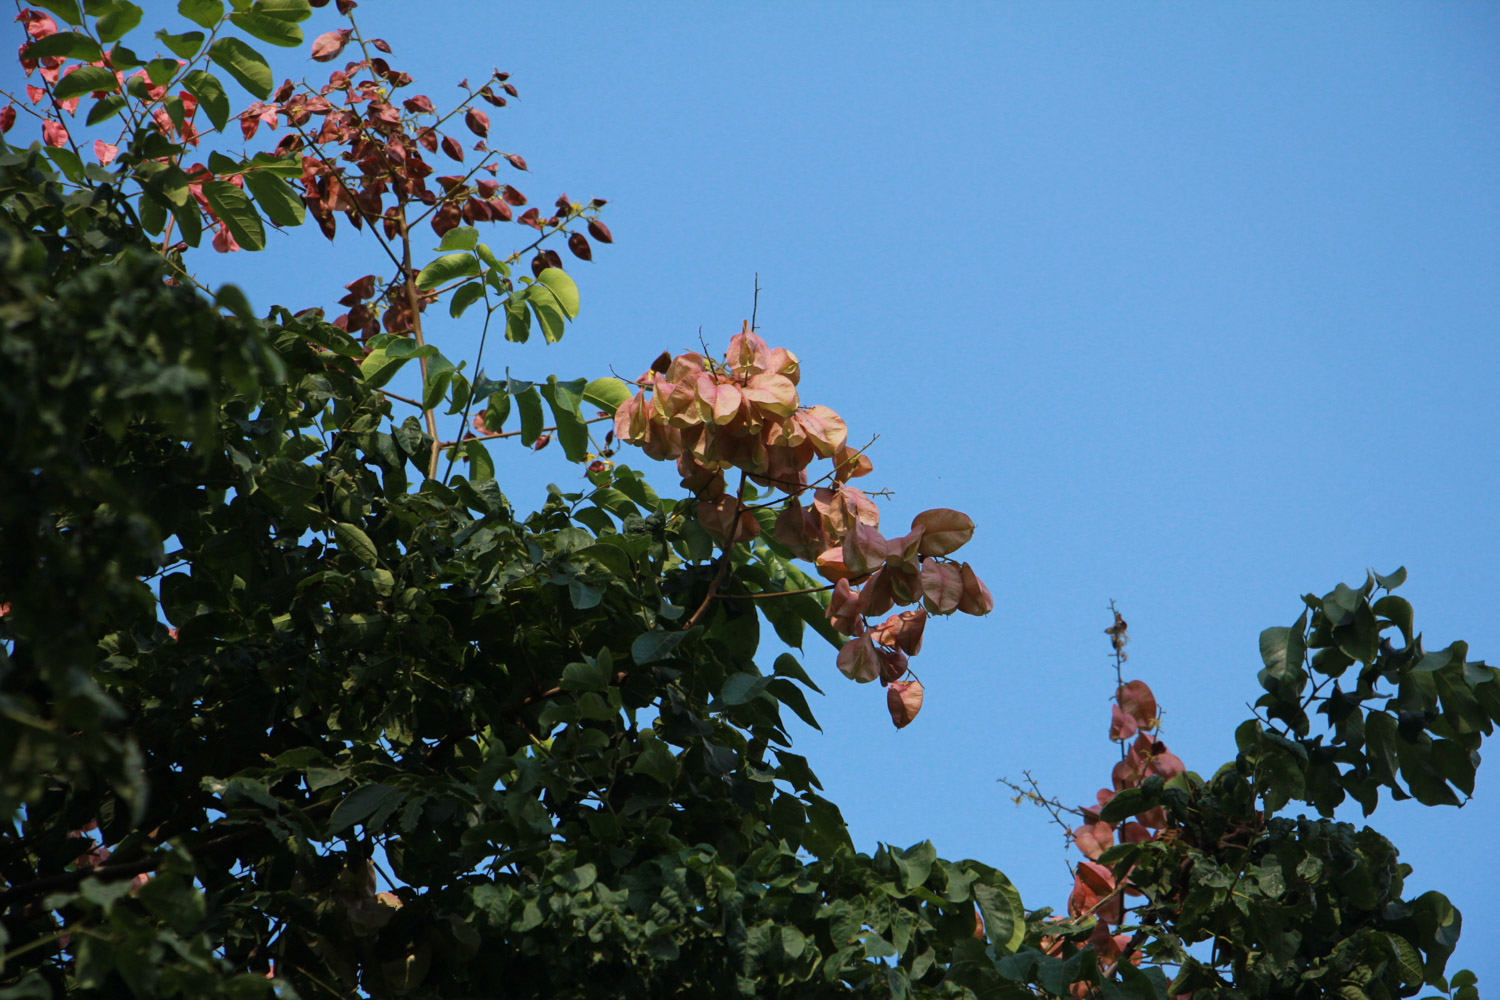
247,66
563,288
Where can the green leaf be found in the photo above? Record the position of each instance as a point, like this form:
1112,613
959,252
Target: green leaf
184,46
1282,650
577,879
460,238
529,403
106,108
289,166
230,297
71,44
361,804
65,9
1398,611
1392,581
915,863
548,312
189,222
286,10
1004,916
276,198
235,211
792,697
496,409
563,398
465,296
289,483
657,645
742,687
656,761
352,539
160,73
123,59
84,80
387,356
153,212
121,18
439,376
268,29
243,63
563,289
205,87
607,393
449,267
517,320
204,13
490,260
1126,803
67,161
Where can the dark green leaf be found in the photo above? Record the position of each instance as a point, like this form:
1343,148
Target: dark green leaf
65,9
232,298
352,539
83,80
205,87
1392,581
529,403
122,17
286,10
651,647
160,72
266,28
742,687
106,108
204,13
276,198
71,44
563,398
235,211
184,46
481,466
792,697
361,804
787,666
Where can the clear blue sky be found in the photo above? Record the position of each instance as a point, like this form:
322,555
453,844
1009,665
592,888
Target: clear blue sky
1191,307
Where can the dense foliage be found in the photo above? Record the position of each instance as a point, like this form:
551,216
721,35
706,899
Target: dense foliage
290,707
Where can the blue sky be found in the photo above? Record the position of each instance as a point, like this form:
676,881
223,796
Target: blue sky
1192,308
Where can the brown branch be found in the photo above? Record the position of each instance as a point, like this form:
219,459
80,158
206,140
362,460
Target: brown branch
408,280
404,399
790,593
507,434
723,570
114,872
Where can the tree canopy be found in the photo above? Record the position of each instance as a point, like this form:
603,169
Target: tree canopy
293,706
